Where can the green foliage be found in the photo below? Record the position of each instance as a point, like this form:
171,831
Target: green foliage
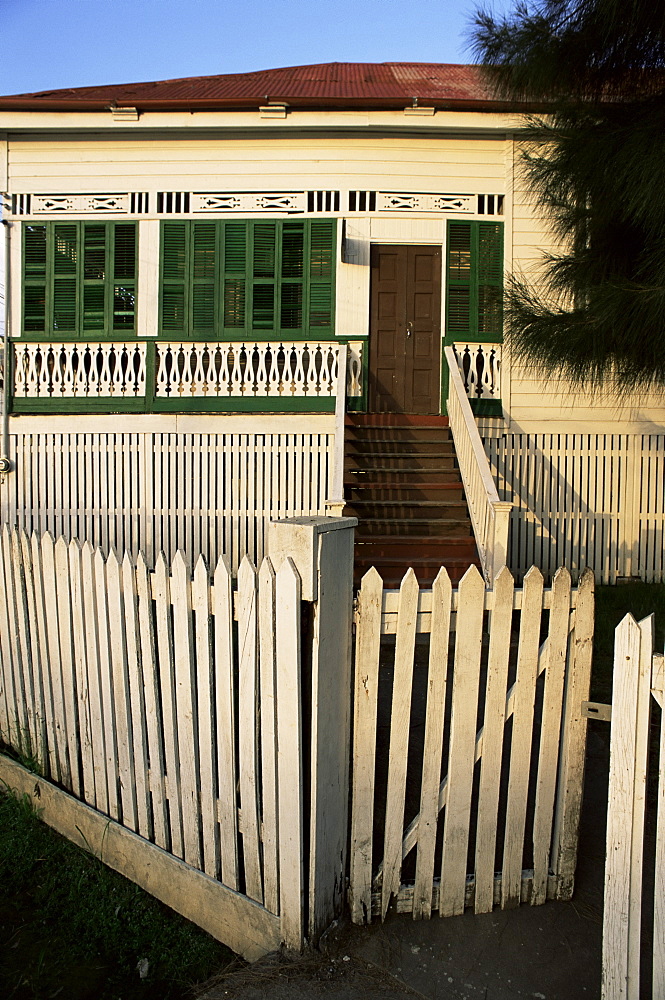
595,166
65,912
612,604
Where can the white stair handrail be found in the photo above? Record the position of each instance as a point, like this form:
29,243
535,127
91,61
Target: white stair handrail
490,516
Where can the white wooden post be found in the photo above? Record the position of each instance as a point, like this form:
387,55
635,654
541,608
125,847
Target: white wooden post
335,504
322,551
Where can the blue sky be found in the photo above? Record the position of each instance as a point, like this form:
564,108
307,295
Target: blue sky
73,43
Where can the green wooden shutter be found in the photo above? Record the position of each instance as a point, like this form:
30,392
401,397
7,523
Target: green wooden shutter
123,287
66,260
263,275
34,278
474,280
490,280
174,276
95,273
204,277
292,274
235,277
321,273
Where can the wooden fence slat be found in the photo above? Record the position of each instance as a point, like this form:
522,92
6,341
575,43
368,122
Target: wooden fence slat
573,739
29,736
54,669
20,715
267,680
40,643
492,740
120,680
225,709
106,683
461,754
290,756
247,731
39,736
658,976
85,727
520,749
368,648
64,600
136,697
8,707
154,722
625,699
206,721
433,746
162,594
186,707
548,755
642,720
89,593
399,739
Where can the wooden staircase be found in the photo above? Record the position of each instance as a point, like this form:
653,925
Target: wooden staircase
403,484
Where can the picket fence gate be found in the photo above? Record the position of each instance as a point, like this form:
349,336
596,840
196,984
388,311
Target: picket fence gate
469,739
169,707
635,818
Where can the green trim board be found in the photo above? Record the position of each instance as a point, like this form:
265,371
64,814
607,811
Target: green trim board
238,279
79,279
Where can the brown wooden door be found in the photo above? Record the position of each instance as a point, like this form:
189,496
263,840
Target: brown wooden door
405,330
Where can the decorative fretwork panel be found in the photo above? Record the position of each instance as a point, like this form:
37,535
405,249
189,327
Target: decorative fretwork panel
249,201
79,371
80,204
252,370
480,368
396,201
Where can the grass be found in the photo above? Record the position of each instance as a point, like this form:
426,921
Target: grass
72,928
612,603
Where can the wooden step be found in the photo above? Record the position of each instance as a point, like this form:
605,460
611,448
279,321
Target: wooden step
389,509
417,547
396,420
378,492
443,527
399,461
392,573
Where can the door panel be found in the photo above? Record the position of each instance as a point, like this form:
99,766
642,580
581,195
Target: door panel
405,334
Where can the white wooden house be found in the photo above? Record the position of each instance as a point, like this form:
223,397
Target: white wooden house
187,262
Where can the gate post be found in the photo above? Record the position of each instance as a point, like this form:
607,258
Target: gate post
322,551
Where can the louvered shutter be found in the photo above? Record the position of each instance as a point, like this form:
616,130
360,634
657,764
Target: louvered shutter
263,276
65,266
174,276
123,287
293,268
235,267
94,275
460,276
474,275
204,277
321,273
490,280
34,278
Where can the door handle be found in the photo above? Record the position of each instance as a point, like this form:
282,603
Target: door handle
409,329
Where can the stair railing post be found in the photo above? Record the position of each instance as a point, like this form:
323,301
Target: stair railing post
335,504
322,550
501,510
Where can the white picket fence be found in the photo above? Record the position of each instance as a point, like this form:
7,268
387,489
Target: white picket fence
171,704
447,805
638,733
584,500
207,491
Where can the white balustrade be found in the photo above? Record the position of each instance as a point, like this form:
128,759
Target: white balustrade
489,515
480,369
79,370
253,370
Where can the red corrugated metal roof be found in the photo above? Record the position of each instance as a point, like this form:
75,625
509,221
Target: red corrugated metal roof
369,85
